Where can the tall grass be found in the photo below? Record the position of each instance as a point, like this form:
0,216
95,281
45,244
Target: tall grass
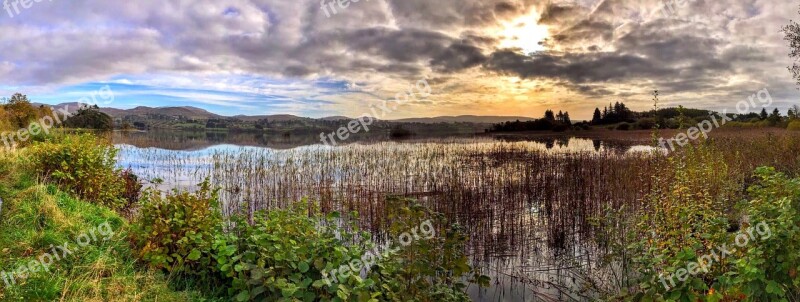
521,203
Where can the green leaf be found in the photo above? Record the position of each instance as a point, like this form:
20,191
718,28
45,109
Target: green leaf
303,267
243,296
194,255
774,288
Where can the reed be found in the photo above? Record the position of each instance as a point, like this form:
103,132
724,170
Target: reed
521,202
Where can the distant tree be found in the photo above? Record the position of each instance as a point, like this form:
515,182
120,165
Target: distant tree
792,35
763,115
20,110
794,112
90,118
400,132
597,118
566,118
775,117
682,118
549,115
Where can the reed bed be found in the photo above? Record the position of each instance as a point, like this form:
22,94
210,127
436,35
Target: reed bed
525,204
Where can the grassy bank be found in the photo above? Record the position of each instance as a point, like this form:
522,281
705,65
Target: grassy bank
76,228
37,216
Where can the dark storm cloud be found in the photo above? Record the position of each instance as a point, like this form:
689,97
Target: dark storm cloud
457,57
554,13
576,68
591,43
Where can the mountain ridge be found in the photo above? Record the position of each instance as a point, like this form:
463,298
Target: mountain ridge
199,113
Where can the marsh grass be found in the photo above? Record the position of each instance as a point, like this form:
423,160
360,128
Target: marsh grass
34,216
526,205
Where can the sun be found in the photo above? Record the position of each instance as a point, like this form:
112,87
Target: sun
524,33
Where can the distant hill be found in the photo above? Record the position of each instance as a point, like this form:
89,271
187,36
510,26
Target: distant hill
336,118
202,114
185,111
465,119
274,118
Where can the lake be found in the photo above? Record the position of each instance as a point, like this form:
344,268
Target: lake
526,203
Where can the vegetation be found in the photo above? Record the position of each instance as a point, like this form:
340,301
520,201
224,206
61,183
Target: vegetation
286,254
695,210
84,165
275,255
89,118
550,122
36,216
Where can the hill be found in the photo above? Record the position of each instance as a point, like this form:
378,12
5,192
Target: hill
194,113
465,119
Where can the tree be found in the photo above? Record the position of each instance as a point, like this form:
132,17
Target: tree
794,112
567,120
775,117
20,110
549,115
597,118
764,115
90,118
792,35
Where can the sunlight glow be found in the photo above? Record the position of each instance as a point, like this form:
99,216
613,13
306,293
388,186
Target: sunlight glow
524,33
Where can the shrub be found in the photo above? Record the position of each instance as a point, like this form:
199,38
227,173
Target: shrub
175,232
428,269
687,218
624,127
286,254
133,188
794,126
83,165
768,269
646,123
90,118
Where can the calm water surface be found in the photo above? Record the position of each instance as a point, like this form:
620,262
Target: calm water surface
524,202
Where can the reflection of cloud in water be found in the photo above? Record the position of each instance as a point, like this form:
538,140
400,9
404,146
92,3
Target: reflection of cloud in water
495,187
646,150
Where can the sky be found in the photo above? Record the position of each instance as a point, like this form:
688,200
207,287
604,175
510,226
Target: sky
479,57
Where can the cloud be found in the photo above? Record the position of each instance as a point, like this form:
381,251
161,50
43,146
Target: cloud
596,49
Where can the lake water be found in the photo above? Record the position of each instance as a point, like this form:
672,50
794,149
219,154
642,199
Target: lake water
524,202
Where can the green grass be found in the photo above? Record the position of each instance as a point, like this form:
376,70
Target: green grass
35,216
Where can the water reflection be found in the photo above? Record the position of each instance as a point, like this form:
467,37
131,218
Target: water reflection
524,202
198,141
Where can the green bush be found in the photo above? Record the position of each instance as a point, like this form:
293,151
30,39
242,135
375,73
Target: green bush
768,269
285,255
175,232
794,125
689,215
290,254
645,123
81,164
624,127
429,268
300,254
